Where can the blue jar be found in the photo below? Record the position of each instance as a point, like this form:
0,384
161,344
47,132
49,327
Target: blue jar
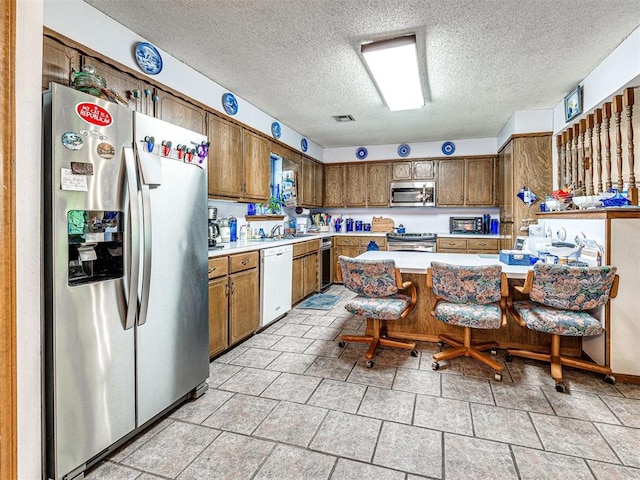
372,246
233,229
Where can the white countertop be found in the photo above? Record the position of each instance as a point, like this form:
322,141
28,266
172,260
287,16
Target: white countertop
418,262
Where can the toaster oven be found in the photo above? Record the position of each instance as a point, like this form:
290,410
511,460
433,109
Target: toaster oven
466,225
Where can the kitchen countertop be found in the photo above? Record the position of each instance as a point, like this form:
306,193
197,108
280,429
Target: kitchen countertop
249,245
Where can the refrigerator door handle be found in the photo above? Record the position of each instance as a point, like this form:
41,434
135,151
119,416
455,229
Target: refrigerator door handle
134,274
146,253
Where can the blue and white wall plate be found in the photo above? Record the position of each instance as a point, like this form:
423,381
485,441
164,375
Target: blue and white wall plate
448,148
276,131
361,153
404,150
230,103
148,58
304,145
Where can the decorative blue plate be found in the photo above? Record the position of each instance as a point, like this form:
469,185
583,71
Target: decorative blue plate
230,103
361,153
448,148
304,145
276,131
404,150
148,58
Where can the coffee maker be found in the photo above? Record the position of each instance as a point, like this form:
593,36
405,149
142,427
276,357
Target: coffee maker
214,228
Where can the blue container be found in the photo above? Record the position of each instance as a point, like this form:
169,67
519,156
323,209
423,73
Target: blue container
233,229
495,226
372,246
514,257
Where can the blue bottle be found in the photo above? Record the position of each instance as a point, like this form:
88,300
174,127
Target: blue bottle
233,229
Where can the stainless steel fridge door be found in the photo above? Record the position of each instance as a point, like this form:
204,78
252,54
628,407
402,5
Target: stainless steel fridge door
89,356
172,338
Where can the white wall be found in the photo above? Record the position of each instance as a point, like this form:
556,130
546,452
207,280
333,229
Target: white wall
529,121
28,235
476,146
86,25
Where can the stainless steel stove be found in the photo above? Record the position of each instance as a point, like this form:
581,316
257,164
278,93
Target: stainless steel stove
411,242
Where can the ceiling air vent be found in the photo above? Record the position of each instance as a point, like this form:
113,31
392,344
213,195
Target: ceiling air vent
344,118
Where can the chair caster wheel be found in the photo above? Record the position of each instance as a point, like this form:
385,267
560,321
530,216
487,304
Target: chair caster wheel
560,387
342,344
497,377
435,366
509,358
414,353
370,364
610,379
493,352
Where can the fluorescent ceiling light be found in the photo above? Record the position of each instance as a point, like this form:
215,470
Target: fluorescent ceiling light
393,64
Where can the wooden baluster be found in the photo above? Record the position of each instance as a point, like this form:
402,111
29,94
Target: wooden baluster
576,155
589,158
565,169
617,113
559,149
582,160
632,192
606,115
598,120
572,169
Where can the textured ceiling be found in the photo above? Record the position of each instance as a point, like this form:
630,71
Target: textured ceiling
298,60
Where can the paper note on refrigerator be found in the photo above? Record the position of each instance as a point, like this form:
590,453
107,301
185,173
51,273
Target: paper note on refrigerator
70,181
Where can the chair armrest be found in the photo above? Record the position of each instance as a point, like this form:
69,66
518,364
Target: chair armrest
410,288
429,278
614,288
338,271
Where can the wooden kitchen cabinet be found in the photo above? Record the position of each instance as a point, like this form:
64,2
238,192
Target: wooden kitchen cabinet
256,168
377,184
352,247
306,279
180,112
355,185
58,62
312,183
318,184
466,182
244,296
413,170
225,158
218,315
334,186
467,245
523,162
139,95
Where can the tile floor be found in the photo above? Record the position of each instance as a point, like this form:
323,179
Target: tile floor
289,403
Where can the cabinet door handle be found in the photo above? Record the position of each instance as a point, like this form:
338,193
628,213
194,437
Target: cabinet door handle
233,288
245,261
213,269
226,290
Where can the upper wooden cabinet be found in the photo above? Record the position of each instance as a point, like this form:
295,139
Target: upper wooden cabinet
318,184
413,170
256,167
334,185
180,112
308,189
58,61
225,158
239,162
466,182
355,185
378,176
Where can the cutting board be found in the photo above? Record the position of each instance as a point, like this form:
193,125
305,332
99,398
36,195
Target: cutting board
382,224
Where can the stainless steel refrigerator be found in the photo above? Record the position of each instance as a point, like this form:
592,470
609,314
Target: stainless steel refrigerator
125,249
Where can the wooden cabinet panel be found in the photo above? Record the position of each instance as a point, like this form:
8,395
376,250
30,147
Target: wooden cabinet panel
401,171
507,239
58,61
479,182
377,184
347,241
308,179
446,244
334,186
311,273
467,245
355,186
318,184
505,183
363,242
218,267
423,170
257,167
139,96
244,304
225,158
482,245
297,292
179,112
218,315
243,261
450,183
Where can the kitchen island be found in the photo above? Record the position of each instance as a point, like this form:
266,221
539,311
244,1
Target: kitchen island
420,325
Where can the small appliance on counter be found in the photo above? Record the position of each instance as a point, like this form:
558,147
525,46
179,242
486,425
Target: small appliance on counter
225,230
472,225
214,228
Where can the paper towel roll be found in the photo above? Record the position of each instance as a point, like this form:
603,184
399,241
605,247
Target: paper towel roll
301,212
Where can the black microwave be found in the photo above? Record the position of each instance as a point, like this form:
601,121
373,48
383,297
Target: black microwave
466,225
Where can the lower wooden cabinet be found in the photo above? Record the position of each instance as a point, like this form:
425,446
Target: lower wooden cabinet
234,300
467,245
306,280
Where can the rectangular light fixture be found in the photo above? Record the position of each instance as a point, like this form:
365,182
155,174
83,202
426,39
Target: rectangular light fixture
393,64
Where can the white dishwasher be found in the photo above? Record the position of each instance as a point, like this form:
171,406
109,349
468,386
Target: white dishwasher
276,271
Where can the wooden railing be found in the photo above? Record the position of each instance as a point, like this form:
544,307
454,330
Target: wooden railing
580,150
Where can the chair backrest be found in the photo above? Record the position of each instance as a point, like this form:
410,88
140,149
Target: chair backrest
571,288
464,284
370,278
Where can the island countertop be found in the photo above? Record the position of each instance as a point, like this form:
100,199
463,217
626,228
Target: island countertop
418,262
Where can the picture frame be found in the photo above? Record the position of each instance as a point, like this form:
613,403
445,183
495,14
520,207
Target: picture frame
573,103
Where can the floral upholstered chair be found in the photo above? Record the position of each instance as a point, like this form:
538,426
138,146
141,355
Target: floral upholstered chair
469,297
561,302
377,284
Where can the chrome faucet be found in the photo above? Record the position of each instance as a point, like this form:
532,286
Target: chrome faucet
276,228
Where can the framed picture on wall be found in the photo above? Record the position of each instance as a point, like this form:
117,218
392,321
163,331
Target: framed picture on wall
573,103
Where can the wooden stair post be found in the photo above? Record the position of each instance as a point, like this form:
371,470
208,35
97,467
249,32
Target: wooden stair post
598,120
606,115
632,190
617,113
